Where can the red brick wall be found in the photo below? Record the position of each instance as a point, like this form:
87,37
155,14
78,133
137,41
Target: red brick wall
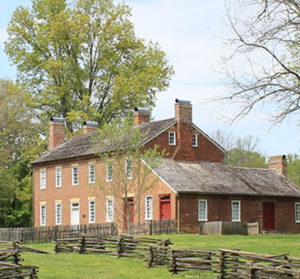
183,150
219,209
83,191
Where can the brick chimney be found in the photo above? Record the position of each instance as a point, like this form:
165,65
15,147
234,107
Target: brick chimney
183,111
141,115
56,131
183,115
278,163
89,127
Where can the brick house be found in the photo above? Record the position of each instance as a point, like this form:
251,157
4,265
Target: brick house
193,186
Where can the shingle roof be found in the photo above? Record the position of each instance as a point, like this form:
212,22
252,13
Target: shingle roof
82,145
215,178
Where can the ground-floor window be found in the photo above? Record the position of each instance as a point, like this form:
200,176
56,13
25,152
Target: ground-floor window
58,213
92,211
202,210
148,207
297,212
236,211
109,210
43,215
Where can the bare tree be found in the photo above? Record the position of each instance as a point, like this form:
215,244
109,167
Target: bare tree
264,67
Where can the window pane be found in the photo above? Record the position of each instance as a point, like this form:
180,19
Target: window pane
58,177
43,179
297,207
109,210
128,169
109,172
172,138
148,208
92,211
58,214
202,210
43,215
91,173
235,211
75,175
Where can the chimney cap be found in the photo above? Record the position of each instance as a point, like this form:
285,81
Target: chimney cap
182,102
57,119
141,110
91,124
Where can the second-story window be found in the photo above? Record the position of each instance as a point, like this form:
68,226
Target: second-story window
75,175
58,177
195,140
92,211
128,168
43,179
172,138
92,177
109,172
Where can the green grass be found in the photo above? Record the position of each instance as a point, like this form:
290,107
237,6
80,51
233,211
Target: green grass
72,266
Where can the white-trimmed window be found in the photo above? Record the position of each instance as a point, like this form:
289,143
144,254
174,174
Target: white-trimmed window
109,172
236,211
172,138
128,168
92,174
202,210
195,140
43,215
148,207
58,213
42,179
92,211
58,176
109,210
297,212
75,175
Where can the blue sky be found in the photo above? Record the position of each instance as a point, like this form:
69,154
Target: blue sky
189,32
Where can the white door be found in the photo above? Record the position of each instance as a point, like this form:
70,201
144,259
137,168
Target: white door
75,213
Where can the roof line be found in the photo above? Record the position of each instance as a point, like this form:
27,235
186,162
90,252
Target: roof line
160,132
164,181
209,138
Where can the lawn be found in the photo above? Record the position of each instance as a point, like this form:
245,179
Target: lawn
72,266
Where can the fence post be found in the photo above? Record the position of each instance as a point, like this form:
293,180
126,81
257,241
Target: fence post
82,246
173,261
222,265
151,256
150,227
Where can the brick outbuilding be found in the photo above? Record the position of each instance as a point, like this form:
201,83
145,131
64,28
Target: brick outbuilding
191,185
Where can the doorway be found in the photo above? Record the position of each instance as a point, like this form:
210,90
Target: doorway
130,212
165,207
75,214
268,216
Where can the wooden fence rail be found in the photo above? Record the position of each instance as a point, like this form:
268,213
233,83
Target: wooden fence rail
121,246
153,227
47,234
226,263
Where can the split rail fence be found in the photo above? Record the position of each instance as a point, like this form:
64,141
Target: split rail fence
10,266
225,263
121,246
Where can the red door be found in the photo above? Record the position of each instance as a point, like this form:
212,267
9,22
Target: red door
268,216
165,207
130,212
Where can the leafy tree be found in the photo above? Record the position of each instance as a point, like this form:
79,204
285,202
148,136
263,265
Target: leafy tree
264,67
83,60
124,144
19,143
293,168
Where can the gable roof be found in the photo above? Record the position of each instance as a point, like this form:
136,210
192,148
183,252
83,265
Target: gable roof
82,145
215,178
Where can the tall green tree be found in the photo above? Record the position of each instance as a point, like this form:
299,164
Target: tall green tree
19,143
83,60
